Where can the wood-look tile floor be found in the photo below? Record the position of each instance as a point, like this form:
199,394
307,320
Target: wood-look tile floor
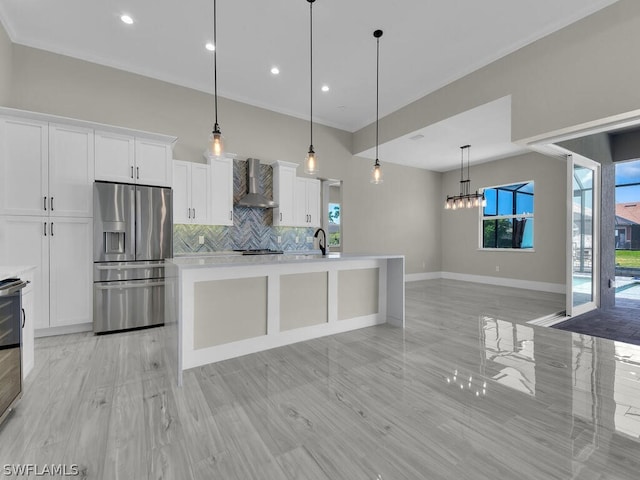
466,391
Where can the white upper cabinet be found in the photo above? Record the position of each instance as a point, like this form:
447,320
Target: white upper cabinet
71,173
45,169
129,159
222,190
191,193
24,165
115,157
307,202
284,184
153,163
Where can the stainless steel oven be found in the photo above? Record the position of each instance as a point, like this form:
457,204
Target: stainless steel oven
11,322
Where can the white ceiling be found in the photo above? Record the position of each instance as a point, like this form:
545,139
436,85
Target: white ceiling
426,44
486,128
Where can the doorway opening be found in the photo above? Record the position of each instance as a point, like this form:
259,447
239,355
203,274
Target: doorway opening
627,233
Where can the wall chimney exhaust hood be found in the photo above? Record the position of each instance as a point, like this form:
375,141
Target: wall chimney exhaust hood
254,198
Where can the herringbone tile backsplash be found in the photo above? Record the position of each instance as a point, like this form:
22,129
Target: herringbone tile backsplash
252,227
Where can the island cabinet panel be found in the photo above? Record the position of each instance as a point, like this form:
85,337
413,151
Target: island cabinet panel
357,293
303,300
229,310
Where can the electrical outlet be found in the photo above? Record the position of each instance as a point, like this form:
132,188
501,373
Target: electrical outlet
497,268
279,239
201,239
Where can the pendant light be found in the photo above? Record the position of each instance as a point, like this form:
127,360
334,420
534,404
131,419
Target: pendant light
311,162
465,199
216,146
376,171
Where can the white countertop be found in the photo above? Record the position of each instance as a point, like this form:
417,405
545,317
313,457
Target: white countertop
14,271
234,260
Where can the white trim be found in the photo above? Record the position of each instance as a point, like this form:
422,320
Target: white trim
549,320
501,281
64,330
416,277
507,282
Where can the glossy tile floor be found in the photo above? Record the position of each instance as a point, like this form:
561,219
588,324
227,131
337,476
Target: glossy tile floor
466,391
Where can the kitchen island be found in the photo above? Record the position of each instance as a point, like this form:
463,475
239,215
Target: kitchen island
224,306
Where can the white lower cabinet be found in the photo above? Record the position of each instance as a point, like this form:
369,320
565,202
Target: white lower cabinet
28,330
62,251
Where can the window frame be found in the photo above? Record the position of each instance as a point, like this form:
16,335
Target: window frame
482,217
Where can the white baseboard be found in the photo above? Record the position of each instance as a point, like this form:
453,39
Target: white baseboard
501,281
50,332
507,282
416,277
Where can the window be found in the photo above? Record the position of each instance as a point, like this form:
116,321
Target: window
334,224
507,217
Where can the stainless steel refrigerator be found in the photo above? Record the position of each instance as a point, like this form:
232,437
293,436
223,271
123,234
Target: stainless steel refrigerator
133,234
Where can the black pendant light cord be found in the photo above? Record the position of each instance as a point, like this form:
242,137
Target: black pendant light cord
215,68
311,71
377,34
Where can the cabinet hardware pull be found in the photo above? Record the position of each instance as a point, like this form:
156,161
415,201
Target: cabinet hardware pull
230,214
24,317
52,229
45,229
45,204
132,172
194,213
138,173
188,213
51,202
280,216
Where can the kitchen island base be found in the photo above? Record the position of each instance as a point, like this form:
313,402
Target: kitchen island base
225,307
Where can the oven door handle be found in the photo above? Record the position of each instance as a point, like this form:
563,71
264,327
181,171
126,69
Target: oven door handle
13,289
125,286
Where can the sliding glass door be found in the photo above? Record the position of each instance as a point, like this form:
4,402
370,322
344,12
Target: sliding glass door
582,235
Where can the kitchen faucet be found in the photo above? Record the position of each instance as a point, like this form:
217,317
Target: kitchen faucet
322,245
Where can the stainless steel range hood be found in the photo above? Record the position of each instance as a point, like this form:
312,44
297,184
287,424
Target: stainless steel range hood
254,198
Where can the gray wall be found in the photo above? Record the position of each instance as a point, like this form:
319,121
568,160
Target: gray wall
6,51
400,216
460,228
579,74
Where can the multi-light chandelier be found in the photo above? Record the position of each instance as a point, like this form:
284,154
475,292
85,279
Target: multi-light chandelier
465,199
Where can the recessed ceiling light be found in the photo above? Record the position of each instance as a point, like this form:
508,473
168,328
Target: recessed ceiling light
275,70
325,88
416,137
209,46
126,19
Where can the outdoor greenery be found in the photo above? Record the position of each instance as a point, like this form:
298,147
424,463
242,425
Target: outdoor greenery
628,258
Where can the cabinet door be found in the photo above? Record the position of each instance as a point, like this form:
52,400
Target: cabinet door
71,280
28,331
284,180
313,202
153,163
300,207
114,157
23,167
200,193
71,171
222,191
181,192
23,242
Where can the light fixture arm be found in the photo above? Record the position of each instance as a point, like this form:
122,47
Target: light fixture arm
311,73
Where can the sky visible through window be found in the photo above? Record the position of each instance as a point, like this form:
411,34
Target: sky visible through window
628,173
